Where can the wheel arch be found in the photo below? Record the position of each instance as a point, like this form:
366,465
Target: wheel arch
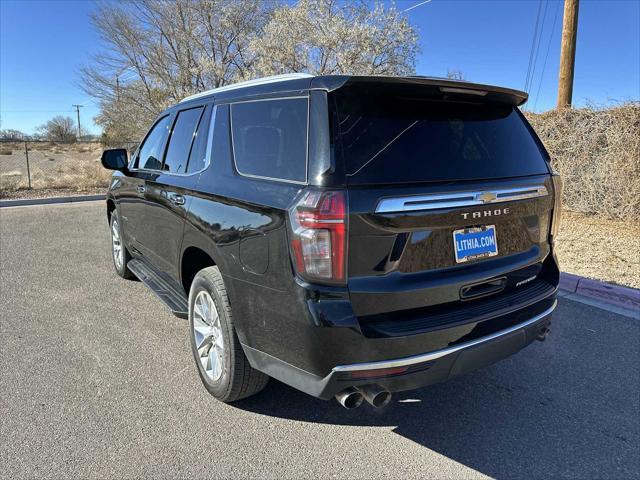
111,206
193,260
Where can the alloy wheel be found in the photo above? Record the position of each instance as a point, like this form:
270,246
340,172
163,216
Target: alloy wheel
116,244
207,333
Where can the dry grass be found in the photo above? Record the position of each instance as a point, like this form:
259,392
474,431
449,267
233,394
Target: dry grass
80,176
600,248
597,151
53,166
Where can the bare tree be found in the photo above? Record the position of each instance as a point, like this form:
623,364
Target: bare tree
157,52
59,129
12,135
455,74
331,37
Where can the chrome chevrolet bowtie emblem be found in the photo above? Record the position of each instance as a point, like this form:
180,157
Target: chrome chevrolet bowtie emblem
486,197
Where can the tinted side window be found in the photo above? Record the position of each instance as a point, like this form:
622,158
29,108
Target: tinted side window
150,154
182,136
270,138
198,155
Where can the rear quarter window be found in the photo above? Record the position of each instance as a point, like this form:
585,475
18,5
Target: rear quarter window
270,138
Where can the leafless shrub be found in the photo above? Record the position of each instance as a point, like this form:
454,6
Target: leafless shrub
597,151
6,152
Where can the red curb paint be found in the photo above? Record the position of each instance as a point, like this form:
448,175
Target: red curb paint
622,296
569,282
614,294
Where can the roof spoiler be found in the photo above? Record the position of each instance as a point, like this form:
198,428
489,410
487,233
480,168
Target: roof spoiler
447,87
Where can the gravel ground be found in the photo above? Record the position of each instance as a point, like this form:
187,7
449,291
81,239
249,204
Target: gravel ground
600,248
97,381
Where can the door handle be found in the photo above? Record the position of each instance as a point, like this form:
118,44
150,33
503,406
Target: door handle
141,188
177,199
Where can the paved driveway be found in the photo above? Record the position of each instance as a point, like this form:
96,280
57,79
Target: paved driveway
96,380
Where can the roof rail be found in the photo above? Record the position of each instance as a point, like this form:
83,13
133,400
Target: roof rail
249,83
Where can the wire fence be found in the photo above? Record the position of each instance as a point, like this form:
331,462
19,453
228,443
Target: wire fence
38,165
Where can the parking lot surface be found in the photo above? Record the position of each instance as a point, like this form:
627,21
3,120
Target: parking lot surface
97,380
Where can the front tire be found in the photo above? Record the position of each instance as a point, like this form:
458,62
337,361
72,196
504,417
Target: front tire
119,252
222,365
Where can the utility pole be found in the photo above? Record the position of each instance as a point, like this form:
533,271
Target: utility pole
78,107
568,53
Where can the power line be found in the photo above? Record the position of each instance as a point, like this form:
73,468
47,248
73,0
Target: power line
533,44
535,55
546,56
36,111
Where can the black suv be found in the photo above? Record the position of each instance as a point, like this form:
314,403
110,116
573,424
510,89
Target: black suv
350,236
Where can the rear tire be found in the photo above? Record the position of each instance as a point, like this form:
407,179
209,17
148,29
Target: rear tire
222,365
119,253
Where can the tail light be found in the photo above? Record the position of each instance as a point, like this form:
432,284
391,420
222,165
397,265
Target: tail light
557,206
319,235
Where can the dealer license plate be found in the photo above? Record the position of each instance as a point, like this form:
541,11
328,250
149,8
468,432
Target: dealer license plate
474,243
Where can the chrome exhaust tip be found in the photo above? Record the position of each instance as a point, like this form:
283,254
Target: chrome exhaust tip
375,395
542,334
349,398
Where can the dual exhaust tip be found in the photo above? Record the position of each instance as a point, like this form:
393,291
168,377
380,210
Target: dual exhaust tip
352,397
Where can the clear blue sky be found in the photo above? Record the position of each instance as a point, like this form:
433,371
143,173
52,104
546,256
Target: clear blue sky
43,44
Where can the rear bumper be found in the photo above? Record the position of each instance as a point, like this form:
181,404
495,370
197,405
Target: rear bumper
413,371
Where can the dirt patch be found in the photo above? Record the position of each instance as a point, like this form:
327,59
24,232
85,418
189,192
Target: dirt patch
600,248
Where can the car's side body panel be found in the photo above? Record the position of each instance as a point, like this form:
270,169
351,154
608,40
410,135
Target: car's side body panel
242,227
168,198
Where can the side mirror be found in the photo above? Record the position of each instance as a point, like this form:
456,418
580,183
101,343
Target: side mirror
115,159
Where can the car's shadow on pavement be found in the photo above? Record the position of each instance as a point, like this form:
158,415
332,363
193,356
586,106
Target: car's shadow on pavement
506,421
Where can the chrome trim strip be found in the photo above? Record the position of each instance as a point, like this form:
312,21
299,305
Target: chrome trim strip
459,199
427,357
320,220
212,125
249,83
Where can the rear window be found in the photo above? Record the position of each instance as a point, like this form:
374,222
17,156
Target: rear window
394,139
184,131
270,138
198,155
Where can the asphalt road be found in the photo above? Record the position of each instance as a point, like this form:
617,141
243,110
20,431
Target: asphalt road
97,380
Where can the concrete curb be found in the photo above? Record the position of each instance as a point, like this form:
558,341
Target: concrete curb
44,201
605,292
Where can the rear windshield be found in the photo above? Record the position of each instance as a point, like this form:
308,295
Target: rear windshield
382,138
